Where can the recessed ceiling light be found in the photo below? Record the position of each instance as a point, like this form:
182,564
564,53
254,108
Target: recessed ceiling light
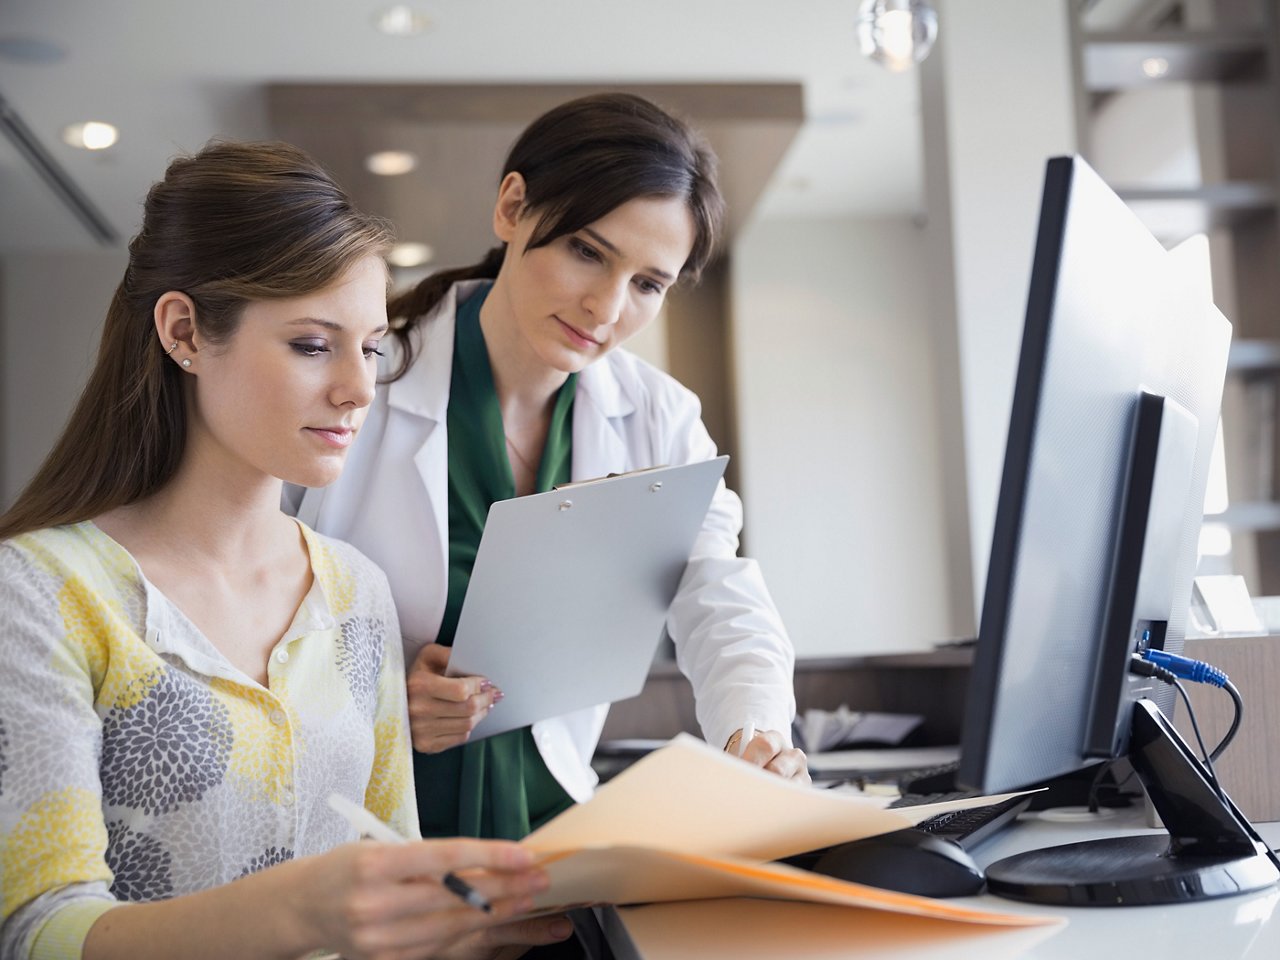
90,135
401,21
1155,67
390,163
410,254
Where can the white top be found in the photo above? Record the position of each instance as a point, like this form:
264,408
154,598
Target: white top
392,502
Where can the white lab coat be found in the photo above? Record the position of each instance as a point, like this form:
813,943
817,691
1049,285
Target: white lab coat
392,503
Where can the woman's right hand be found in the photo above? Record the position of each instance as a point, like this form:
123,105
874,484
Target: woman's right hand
364,901
369,901
444,710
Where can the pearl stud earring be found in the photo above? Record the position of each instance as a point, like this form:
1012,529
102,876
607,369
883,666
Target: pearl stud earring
186,362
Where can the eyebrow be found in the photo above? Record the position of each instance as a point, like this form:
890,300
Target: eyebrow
616,252
329,324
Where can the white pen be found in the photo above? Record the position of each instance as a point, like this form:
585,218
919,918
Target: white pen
370,826
748,734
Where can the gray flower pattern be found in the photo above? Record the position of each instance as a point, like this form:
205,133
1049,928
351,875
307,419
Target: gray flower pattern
169,748
360,648
4,750
140,864
269,857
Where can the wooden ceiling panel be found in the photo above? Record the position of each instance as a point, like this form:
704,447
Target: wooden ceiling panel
461,134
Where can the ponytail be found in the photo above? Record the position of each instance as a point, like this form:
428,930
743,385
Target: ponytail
406,310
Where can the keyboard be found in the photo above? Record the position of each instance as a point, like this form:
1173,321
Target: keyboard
939,778
969,827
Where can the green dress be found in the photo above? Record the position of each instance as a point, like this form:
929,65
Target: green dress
499,786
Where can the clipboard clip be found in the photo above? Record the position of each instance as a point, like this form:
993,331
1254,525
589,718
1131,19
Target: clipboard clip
654,488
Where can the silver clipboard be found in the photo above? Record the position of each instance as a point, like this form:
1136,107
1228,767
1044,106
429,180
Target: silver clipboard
570,589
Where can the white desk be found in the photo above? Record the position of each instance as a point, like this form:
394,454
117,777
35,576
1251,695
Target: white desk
1224,929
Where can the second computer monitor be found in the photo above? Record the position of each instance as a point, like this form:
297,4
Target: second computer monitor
1111,316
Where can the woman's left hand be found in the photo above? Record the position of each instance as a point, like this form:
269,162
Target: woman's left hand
768,749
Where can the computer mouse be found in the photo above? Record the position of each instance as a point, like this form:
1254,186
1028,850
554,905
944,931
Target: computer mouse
909,861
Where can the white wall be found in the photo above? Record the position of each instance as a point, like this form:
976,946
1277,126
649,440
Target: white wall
1147,137
51,312
837,431
996,94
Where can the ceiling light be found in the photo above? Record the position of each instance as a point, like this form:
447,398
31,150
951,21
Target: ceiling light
400,21
390,163
897,33
410,254
90,135
1155,67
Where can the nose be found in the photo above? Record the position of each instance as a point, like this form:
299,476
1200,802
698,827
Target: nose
605,300
354,381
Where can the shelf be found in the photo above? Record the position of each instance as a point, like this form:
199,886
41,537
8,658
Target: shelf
1254,355
1175,213
1114,60
1252,517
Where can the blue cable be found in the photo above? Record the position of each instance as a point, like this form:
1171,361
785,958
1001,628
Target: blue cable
1186,668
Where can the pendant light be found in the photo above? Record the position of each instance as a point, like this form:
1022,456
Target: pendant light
897,33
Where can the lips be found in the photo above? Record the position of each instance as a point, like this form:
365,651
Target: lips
577,336
334,436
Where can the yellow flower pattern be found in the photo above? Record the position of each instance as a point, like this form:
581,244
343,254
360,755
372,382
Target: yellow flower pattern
72,816
392,772
137,762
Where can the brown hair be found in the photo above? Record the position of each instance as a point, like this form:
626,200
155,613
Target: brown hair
234,223
580,161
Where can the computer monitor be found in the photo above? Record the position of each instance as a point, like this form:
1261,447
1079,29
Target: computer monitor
1114,415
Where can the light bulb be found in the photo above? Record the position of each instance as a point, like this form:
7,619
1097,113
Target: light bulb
1155,67
90,135
410,254
897,33
400,21
390,163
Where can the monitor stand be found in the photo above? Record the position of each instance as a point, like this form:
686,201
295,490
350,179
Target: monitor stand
1211,850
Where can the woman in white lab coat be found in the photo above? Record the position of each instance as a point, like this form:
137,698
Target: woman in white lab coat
505,380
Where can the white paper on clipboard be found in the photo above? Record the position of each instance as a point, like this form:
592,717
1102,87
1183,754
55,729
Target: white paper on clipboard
570,590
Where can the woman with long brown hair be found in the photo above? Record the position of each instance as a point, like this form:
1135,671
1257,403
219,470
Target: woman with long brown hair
505,380
190,674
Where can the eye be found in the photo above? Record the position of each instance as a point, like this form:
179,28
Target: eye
371,350
584,250
649,286
309,348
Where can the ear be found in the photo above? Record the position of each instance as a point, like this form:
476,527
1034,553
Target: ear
175,319
506,212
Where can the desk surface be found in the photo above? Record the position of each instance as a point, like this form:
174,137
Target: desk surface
1232,927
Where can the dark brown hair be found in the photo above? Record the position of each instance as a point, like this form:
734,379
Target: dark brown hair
580,161
236,222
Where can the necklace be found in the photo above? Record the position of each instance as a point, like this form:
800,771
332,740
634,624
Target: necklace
520,456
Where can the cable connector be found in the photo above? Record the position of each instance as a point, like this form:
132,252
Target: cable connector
1186,668
1145,668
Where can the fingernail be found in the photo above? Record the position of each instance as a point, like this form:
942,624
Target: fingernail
561,928
485,685
498,695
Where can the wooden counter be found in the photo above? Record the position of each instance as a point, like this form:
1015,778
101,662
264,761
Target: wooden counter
930,683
